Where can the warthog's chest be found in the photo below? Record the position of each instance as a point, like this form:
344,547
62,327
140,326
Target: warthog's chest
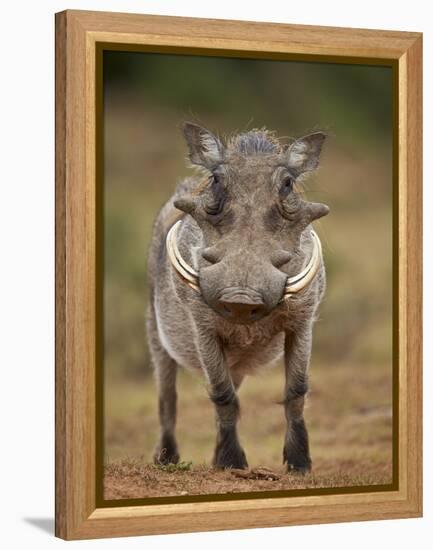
252,335
250,347
255,345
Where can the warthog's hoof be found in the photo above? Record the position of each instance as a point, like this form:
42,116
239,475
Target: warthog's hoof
231,456
296,462
166,452
298,468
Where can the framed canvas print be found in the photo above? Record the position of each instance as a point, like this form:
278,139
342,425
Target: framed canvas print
238,274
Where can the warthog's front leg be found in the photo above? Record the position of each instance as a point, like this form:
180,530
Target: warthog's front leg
296,451
165,375
228,451
166,451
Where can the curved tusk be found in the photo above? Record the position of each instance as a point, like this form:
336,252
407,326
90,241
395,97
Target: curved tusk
298,282
173,239
189,274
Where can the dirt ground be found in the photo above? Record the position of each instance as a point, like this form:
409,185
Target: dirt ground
134,480
348,413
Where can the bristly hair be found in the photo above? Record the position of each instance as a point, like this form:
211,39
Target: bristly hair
255,142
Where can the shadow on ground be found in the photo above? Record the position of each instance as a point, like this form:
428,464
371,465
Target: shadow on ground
44,524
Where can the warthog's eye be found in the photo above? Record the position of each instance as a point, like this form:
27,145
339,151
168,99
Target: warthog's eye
288,203
214,209
287,186
215,201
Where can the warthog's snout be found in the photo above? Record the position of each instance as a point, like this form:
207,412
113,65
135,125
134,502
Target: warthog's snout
241,306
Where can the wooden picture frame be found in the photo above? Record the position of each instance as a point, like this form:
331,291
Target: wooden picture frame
80,38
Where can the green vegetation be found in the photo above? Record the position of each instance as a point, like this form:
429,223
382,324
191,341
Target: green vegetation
179,467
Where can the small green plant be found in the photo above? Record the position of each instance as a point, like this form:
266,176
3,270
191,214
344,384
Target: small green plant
179,467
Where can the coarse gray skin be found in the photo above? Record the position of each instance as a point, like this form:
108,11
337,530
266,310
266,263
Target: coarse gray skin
245,229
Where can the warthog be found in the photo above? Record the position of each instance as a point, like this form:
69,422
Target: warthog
235,282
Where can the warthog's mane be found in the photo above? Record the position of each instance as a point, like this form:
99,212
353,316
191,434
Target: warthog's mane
255,142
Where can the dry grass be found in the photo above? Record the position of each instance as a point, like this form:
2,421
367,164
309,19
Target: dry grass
348,413
133,479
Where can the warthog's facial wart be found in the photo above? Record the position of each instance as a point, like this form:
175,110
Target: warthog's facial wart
251,217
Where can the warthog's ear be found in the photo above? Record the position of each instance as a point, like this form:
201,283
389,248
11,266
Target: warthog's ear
303,154
205,149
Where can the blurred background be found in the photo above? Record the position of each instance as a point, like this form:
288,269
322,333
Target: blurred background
146,98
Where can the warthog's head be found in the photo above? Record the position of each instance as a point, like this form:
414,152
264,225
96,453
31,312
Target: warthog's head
251,217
